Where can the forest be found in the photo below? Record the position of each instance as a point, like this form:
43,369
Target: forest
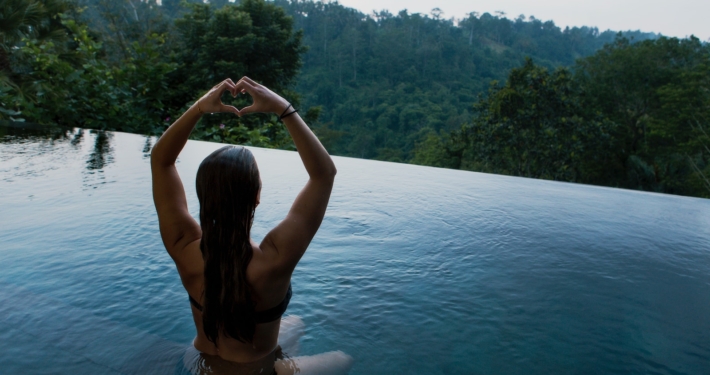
517,96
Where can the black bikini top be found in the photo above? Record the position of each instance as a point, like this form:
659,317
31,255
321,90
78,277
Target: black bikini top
265,316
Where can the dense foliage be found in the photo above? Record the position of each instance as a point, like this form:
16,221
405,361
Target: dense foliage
57,73
385,81
533,126
631,115
488,93
658,92
112,66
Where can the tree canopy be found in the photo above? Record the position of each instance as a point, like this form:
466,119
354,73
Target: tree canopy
631,115
385,81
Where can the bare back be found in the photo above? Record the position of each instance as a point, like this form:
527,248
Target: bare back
268,287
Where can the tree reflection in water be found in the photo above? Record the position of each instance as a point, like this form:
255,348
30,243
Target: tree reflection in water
100,157
147,147
12,132
78,137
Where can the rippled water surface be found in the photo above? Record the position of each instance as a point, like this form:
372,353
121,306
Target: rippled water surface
415,270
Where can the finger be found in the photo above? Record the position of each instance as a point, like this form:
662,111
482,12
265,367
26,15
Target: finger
247,110
227,86
233,85
229,109
250,80
219,88
247,81
243,86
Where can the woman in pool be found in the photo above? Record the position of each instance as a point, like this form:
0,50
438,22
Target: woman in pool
238,289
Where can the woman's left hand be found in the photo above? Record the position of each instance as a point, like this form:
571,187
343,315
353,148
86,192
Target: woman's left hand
212,101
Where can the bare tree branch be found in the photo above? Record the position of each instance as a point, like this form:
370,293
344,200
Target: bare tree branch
135,12
698,171
700,127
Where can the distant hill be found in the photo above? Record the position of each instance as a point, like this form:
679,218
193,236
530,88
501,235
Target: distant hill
384,81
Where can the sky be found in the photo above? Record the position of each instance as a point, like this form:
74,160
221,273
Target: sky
679,18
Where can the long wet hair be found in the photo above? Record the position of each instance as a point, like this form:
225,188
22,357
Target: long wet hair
227,187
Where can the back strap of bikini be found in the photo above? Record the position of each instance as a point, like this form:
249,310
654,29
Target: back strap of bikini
195,303
275,312
262,316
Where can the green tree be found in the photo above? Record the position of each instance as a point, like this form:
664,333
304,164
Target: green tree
75,87
367,69
678,133
656,91
28,19
119,23
116,77
534,126
254,38
632,116
439,150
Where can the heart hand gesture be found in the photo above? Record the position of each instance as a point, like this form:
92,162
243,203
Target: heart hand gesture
265,100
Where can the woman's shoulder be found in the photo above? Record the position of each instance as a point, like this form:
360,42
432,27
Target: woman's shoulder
265,266
270,257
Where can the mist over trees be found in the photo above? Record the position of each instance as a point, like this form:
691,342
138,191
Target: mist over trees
516,96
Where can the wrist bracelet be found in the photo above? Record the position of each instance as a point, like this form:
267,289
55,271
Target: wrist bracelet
198,107
284,112
288,114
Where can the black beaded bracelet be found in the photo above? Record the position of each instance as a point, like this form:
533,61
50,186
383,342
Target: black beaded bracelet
288,114
284,112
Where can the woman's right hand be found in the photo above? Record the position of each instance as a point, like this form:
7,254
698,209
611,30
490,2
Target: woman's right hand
265,100
211,102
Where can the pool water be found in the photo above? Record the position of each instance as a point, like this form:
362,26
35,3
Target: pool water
415,270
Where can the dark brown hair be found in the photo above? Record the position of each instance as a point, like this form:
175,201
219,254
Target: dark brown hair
227,187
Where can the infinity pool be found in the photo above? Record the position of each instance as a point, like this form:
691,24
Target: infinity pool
415,270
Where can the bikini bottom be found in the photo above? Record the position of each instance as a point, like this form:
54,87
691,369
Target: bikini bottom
198,363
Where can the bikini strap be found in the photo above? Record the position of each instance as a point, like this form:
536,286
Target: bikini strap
195,303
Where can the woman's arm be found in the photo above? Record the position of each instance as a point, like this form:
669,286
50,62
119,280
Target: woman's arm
177,227
293,235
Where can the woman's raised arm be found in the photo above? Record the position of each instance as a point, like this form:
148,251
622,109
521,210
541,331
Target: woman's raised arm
293,235
177,227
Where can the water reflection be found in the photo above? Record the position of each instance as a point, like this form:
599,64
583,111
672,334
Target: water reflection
78,137
102,154
35,142
12,132
26,147
147,147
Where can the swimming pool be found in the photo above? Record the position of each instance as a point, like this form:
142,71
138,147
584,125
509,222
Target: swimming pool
415,270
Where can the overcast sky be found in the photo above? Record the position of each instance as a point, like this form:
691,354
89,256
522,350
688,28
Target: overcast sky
678,18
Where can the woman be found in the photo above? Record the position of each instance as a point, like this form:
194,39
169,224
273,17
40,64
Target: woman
238,289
